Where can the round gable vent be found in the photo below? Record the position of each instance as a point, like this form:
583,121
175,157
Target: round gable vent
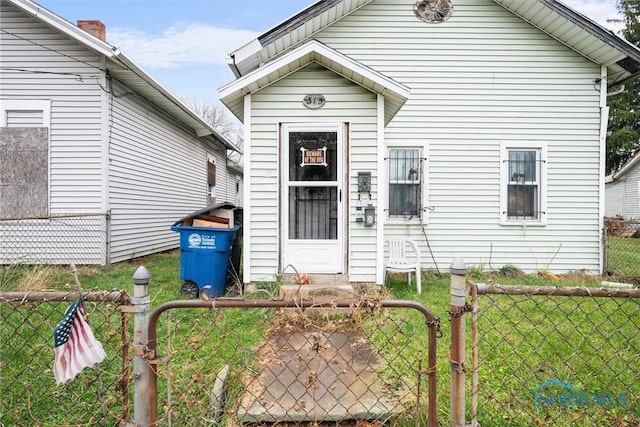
433,11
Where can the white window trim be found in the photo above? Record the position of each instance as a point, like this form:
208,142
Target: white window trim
504,182
43,105
423,218
26,105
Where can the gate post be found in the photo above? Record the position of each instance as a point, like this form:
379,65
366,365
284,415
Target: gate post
141,303
458,271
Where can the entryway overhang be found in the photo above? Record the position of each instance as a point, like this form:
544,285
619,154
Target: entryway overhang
395,94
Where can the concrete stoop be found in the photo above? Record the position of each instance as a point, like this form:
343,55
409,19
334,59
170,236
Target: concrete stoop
322,287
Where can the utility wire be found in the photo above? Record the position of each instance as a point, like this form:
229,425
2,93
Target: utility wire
51,50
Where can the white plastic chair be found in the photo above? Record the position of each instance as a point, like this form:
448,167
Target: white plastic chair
399,261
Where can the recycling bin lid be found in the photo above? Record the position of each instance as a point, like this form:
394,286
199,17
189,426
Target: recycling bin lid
204,211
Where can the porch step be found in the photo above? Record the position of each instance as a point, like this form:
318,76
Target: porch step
322,286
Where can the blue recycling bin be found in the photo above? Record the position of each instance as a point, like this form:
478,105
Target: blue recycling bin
204,259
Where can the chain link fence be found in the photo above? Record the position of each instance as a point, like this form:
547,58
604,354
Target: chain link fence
257,363
55,239
555,356
622,249
29,394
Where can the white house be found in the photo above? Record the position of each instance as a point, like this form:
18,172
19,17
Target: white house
475,127
98,155
623,191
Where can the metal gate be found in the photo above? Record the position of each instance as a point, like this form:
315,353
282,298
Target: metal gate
350,362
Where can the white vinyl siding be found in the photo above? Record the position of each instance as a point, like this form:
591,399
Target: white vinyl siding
482,79
41,65
623,195
281,103
25,118
110,148
66,75
158,175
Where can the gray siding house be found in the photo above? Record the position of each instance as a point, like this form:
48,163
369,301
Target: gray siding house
99,156
474,127
623,191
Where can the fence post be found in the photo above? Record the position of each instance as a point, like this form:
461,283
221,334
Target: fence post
605,243
141,303
458,271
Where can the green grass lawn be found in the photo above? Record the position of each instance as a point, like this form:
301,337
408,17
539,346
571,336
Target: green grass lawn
524,341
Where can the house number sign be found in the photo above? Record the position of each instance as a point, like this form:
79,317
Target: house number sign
313,101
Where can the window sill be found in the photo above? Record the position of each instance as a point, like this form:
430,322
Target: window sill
399,221
514,223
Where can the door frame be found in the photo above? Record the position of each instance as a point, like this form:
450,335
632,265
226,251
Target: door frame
342,130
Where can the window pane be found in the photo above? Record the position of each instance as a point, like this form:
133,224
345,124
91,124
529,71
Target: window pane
403,200
404,165
523,202
522,166
313,213
313,156
405,180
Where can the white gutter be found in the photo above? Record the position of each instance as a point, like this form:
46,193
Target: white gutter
604,118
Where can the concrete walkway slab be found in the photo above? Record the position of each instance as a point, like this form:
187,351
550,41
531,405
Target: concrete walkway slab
316,375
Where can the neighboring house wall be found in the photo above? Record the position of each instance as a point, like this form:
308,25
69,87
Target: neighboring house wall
281,103
109,150
632,194
623,194
228,180
67,78
158,172
233,189
614,202
480,81
75,99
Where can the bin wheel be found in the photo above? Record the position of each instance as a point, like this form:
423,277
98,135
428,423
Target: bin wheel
189,289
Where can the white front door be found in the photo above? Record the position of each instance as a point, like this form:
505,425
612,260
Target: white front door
313,214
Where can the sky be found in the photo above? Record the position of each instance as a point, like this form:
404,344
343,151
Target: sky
184,44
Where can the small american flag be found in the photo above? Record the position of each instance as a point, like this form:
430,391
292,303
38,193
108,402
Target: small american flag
75,346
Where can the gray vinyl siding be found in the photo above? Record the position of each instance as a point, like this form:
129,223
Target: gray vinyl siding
158,174
66,74
623,195
479,80
614,200
282,103
632,196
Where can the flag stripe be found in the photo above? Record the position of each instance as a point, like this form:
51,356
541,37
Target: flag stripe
75,345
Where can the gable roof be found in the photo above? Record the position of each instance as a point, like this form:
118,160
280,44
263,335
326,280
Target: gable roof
126,70
557,20
396,94
624,169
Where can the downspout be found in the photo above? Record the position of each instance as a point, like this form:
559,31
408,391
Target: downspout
604,118
106,124
246,234
236,70
381,191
